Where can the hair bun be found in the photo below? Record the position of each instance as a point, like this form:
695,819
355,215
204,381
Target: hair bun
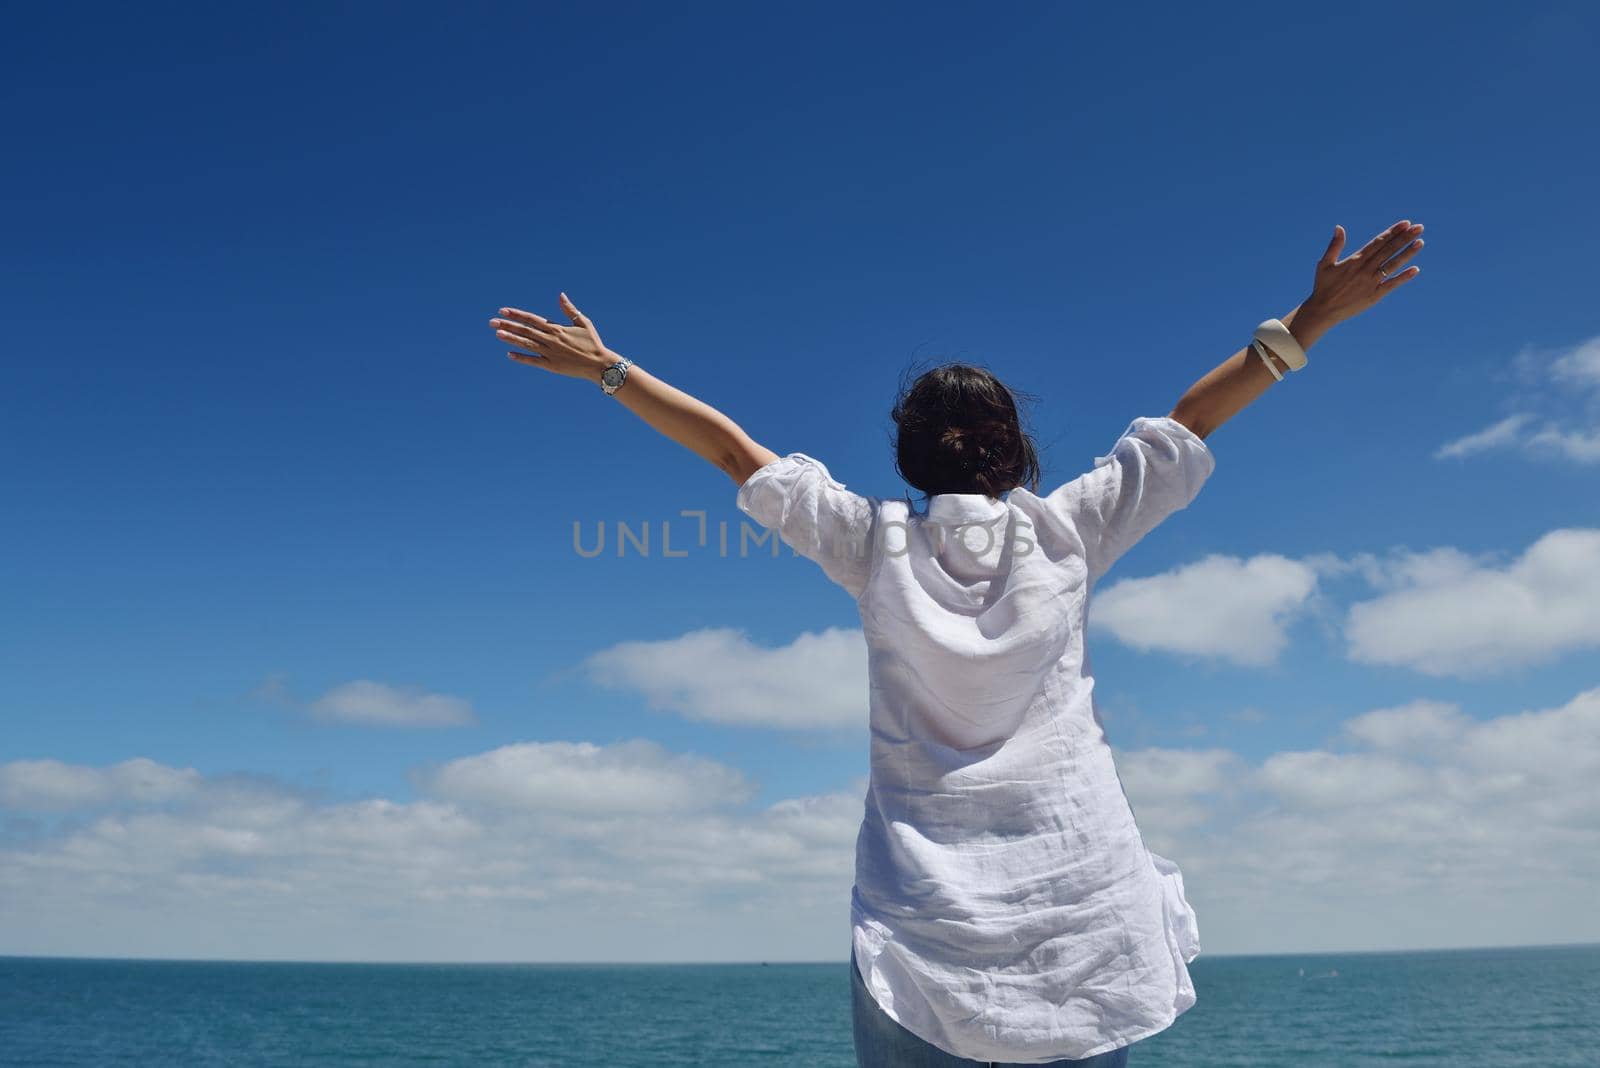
973,446
957,442
960,432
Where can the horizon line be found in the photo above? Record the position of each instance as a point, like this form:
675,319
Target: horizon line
723,963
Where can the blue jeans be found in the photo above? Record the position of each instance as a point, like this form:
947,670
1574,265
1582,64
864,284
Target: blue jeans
883,1043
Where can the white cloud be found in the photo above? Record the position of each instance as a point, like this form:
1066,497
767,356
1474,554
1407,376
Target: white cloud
635,776
1559,417
578,864
1220,606
1581,445
377,704
1327,781
1453,614
1441,611
1414,728
1579,366
718,675
1170,789
1424,826
1454,792
50,785
1421,825
1497,435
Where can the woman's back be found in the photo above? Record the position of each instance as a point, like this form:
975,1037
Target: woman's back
967,614
1004,906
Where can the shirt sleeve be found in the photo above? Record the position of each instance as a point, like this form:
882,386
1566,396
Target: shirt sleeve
813,513
1155,468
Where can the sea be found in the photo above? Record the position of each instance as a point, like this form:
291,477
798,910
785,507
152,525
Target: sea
1472,1007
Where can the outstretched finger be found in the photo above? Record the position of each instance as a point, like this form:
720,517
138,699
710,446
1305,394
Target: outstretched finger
524,340
537,322
572,311
1371,247
523,357
518,332
1331,256
1396,280
1399,241
1395,242
1392,266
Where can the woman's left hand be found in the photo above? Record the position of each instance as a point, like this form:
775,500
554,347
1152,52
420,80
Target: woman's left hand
575,351
1346,288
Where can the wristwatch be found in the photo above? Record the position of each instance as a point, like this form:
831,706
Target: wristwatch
612,377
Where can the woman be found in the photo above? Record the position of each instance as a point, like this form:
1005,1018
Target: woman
1005,907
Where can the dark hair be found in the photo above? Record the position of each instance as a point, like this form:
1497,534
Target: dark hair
959,431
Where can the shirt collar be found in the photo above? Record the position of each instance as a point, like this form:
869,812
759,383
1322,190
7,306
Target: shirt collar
964,507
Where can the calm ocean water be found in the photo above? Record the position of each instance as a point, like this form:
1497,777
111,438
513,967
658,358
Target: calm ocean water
1535,1006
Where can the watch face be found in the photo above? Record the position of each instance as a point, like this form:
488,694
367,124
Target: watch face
612,376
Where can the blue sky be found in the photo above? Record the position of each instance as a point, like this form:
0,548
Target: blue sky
267,469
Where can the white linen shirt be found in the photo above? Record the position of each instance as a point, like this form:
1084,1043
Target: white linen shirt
1005,905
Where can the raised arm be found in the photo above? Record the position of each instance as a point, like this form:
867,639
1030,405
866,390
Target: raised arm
576,351
1342,289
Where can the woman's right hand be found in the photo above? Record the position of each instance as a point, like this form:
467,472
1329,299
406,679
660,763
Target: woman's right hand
1348,287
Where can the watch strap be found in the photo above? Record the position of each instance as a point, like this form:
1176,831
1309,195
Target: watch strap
621,367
